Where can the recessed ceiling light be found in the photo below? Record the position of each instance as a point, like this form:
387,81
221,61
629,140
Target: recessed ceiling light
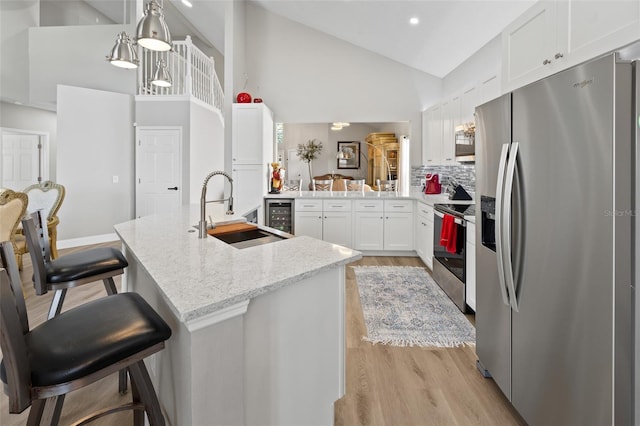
414,20
187,3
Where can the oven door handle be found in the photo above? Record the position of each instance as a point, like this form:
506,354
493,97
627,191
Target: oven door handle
499,219
456,220
506,225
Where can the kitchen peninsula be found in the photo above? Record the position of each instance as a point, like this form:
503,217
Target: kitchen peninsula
258,333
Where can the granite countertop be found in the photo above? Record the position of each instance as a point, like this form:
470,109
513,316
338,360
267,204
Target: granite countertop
413,194
202,276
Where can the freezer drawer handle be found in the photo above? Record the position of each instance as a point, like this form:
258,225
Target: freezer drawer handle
506,225
499,218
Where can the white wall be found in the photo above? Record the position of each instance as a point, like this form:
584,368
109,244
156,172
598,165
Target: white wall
34,119
306,76
15,18
206,152
71,12
75,56
234,66
95,143
483,64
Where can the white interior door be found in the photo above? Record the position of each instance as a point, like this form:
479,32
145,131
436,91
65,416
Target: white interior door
158,175
21,160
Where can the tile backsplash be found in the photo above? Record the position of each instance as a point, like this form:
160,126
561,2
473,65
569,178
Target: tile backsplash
464,174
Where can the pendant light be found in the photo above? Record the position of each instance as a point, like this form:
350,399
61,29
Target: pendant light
123,54
161,77
152,31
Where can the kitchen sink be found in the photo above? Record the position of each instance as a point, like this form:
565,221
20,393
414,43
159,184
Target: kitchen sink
250,238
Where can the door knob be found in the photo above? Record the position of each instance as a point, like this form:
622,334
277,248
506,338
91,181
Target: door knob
175,188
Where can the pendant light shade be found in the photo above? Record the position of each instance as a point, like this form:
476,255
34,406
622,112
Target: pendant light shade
152,31
123,54
161,77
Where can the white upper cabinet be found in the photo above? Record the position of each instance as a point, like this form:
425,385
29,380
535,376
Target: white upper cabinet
554,35
450,114
252,135
432,136
529,45
596,27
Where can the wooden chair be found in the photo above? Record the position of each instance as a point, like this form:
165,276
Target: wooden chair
76,349
387,185
322,185
13,206
46,196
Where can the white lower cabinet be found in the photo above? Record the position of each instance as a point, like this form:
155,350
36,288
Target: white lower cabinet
369,230
424,233
308,223
470,279
383,225
328,220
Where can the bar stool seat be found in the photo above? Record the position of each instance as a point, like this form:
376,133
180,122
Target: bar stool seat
86,264
78,343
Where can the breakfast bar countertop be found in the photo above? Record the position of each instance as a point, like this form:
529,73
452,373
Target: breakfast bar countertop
413,194
197,276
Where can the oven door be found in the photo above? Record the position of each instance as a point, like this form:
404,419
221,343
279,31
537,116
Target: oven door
454,262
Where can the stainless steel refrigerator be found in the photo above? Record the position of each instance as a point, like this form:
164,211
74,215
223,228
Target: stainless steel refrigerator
555,173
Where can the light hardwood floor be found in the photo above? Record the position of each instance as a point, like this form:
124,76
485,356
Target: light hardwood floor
385,385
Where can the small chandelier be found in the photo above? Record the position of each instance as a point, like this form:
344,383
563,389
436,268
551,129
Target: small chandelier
123,54
161,77
152,31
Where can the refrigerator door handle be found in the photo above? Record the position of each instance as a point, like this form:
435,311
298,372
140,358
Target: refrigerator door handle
506,225
499,219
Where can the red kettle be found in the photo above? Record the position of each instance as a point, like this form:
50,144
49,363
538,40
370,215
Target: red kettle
433,184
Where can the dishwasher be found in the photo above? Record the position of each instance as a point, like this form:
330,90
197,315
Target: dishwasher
279,214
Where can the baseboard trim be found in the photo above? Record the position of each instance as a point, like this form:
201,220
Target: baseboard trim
85,241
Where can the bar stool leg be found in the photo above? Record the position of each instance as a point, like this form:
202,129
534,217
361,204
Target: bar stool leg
141,380
46,411
110,286
56,303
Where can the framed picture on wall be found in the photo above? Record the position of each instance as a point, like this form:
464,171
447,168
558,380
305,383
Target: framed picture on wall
349,155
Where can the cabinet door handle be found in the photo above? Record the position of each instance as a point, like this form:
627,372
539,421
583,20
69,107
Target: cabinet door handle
175,188
559,55
546,62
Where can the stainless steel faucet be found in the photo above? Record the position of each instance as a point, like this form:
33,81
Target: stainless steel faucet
202,225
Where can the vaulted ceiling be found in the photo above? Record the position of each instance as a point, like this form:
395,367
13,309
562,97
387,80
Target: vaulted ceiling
448,32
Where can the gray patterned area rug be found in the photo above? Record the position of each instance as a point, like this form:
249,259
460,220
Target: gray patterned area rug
403,306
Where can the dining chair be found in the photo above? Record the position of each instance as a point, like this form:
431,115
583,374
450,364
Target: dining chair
322,185
356,185
48,197
75,349
387,185
13,206
292,185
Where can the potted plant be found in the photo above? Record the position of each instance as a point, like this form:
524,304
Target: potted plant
309,152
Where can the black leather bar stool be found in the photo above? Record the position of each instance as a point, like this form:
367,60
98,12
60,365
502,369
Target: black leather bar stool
75,349
70,270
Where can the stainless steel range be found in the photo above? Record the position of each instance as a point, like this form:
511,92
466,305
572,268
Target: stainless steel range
449,253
